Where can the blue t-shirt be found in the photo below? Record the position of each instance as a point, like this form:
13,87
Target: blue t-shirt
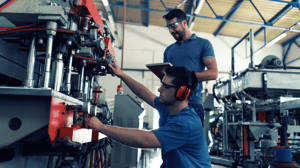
182,138
190,54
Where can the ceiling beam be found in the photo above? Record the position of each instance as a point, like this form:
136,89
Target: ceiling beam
293,3
183,2
190,10
258,12
228,17
196,12
148,17
275,18
120,4
291,40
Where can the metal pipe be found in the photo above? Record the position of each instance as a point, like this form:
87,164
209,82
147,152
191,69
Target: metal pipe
91,88
124,21
81,79
225,136
47,63
57,72
251,34
86,87
51,28
253,112
29,82
68,73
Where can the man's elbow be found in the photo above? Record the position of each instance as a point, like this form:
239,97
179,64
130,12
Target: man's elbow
215,76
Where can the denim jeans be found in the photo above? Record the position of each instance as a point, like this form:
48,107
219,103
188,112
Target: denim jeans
199,110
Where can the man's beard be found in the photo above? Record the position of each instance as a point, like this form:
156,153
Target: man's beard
180,35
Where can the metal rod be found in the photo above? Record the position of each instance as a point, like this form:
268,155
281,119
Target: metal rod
57,71
68,73
251,48
47,63
81,84
225,136
250,32
91,88
86,87
29,82
124,21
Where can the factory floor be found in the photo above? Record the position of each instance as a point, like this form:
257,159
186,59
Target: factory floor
152,159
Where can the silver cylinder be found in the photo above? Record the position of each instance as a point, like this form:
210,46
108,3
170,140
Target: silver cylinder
225,136
68,73
253,112
29,82
91,88
86,87
47,63
57,72
81,83
74,23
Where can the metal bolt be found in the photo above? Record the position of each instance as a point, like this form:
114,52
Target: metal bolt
82,38
40,41
69,42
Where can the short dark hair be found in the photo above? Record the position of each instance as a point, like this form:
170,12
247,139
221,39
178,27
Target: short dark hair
178,13
181,75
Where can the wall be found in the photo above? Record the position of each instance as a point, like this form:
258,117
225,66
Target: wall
144,45
293,54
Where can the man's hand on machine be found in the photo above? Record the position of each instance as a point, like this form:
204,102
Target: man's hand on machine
115,68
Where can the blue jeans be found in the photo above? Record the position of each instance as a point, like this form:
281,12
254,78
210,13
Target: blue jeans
199,110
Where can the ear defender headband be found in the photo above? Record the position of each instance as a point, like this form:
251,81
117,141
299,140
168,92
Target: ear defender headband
184,91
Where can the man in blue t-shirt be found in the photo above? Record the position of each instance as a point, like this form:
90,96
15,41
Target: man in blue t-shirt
180,134
192,52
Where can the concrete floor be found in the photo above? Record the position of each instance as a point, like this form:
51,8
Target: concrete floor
152,159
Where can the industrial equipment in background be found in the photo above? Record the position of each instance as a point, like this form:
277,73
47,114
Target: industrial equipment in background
52,54
259,126
127,113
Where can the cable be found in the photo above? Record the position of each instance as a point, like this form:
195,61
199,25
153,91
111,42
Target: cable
35,29
19,27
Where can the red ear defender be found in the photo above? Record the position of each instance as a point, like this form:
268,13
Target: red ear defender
183,93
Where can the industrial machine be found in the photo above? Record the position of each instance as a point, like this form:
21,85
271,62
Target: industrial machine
52,54
259,126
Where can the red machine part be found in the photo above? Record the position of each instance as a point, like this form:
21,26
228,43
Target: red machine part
92,10
96,94
108,46
59,117
245,141
262,116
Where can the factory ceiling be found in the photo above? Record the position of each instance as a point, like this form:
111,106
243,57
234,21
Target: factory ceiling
267,18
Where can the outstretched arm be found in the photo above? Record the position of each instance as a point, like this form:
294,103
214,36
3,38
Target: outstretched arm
140,90
211,73
127,136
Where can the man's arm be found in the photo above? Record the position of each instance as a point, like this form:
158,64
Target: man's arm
127,136
211,73
140,90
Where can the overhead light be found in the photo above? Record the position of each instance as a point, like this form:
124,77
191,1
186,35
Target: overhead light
191,26
105,2
276,39
199,6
